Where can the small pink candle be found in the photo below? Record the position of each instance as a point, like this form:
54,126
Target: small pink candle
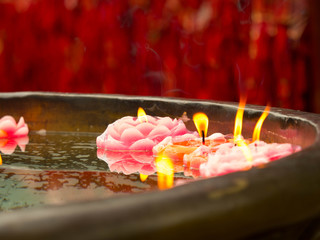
186,148
230,158
10,129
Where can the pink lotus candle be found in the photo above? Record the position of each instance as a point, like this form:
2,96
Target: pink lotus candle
217,155
135,133
179,147
10,129
12,134
230,158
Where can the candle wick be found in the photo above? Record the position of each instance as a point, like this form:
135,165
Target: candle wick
203,138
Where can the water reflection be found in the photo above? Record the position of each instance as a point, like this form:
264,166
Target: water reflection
59,168
8,146
128,162
20,188
57,151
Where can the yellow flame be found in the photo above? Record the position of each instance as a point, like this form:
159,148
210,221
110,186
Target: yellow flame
257,128
239,119
165,172
143,177
245,149
142,116
3,133
201,121
3,142
0,160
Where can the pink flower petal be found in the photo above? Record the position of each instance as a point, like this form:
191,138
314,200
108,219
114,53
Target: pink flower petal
113,133
130,135
145,128
120,129
7,117
179,129
23,131
152,120
166,121
8,125
159,133
21,122
142,144
113,144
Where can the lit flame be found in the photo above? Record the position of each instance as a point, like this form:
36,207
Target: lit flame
257,128
201,121
165,172
3,133
238,129
245,149
239,119
143,177
0,160
142,116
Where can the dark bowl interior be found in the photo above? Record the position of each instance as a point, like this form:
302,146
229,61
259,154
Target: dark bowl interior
279,201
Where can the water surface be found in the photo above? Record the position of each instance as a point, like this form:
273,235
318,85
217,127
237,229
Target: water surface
58,168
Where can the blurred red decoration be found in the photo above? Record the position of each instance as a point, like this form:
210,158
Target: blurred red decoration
196,48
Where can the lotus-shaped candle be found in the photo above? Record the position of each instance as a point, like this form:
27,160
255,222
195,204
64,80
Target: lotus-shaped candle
130,133
187,148
10,129
230,158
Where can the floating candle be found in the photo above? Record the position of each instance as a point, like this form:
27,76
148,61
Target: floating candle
220,155
178,147
10,129
230,158
122,143
12,134
129,133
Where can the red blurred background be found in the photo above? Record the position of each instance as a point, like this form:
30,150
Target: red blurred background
191,48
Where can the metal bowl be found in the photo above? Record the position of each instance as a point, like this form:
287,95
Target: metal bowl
279,201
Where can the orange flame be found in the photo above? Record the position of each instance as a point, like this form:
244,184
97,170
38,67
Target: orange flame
238,129
165,172
257,128
245,149
3,133
0,160
239,119
201,121
143,177
142,116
